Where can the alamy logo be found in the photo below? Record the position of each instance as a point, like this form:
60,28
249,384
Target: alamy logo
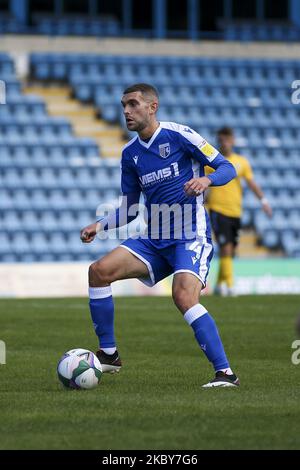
2,352
164,150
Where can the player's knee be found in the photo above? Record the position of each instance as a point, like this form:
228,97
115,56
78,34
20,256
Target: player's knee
99,274
183,297
227,249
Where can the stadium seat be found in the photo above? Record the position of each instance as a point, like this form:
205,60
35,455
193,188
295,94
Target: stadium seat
49,177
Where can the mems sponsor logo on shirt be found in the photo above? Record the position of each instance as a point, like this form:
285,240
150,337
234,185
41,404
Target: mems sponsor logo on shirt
159,175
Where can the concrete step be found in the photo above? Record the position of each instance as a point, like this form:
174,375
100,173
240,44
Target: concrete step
69,108
48,91
95,127
112,135
111,152
248,245
83,118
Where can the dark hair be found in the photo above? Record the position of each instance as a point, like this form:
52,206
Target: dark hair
226,130
144,88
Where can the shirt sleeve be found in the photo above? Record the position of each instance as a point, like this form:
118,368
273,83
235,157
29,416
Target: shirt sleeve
205,153
198,147
123,215
131,193
247,170
129,178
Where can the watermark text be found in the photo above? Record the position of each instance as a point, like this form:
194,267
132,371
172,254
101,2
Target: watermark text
296,354
2,92
2,352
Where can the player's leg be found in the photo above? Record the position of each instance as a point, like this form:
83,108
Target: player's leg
191,267
116,265
186,291
226,265
223,230
218,225
227,253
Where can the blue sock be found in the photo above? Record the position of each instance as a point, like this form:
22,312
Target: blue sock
207,336
102,312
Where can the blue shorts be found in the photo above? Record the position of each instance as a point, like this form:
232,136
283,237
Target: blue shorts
178,256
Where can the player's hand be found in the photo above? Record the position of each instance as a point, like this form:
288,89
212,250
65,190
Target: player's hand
267,208
197,186
88,233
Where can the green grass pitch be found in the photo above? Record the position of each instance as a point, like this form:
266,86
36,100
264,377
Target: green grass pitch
156,401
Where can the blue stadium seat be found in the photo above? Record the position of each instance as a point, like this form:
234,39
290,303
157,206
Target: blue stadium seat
11,221
30,221
38,200
39,244
271,238
49,177
21,244
5,244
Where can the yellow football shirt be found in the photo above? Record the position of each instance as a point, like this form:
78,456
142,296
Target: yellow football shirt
227,200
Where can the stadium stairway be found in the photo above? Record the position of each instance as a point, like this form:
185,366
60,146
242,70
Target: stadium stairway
51,181
83,117
250,246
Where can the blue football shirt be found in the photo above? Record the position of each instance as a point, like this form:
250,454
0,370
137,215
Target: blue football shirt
159,168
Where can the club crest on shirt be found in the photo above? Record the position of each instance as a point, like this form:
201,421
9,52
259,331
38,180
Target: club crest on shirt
164,150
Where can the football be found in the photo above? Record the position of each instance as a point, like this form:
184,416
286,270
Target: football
79,369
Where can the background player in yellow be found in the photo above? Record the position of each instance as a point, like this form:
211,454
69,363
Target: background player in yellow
225,207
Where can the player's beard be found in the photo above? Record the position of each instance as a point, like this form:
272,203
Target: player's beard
138,126
132,126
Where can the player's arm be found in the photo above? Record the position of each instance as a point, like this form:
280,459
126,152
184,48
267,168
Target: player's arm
255,188
202,151
224,172
247,174
125,213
